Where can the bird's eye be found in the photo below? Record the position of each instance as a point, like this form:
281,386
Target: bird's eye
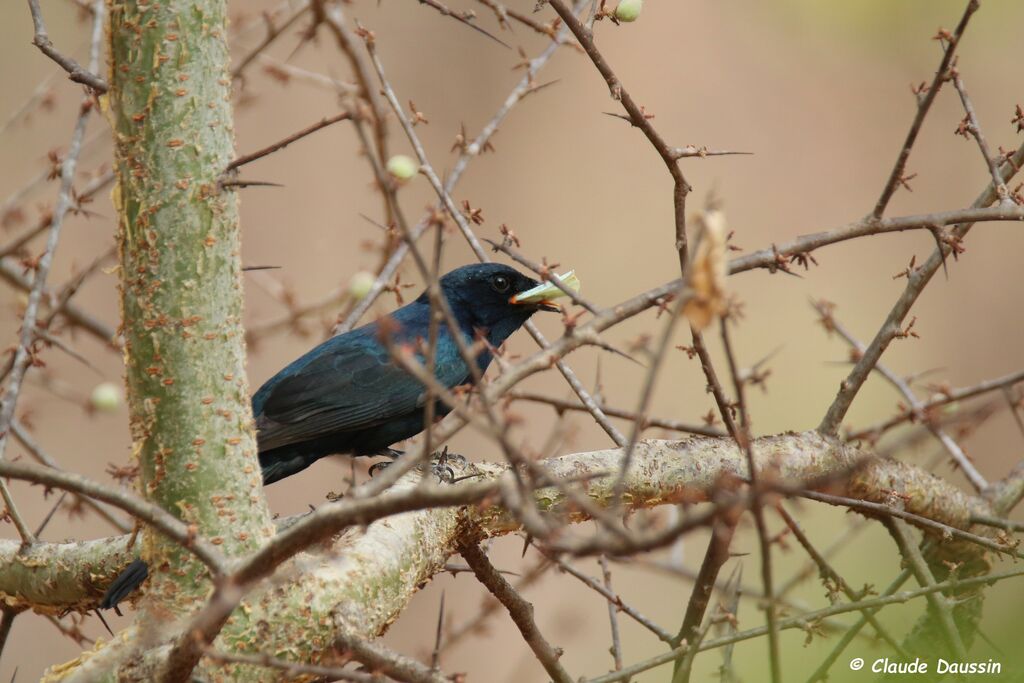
501,284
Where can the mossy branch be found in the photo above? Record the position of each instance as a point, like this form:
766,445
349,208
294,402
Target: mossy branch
362,580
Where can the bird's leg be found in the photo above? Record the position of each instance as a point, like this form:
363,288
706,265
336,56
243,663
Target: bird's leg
438,463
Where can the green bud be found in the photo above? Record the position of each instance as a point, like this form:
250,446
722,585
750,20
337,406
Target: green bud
628,10
106,397
402,167
361,284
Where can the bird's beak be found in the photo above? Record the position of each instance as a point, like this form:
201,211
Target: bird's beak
543,294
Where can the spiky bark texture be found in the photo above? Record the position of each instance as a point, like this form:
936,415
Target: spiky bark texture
181,293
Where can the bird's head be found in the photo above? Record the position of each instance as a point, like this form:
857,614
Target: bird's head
495,297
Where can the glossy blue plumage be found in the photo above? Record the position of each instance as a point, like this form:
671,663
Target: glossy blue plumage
346,396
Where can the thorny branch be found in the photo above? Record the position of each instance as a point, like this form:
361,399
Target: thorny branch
730,471
950,42
916,282
24,351
76,72
639,118
519,609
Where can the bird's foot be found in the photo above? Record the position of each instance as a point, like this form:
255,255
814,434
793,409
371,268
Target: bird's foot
444,473
445,456
441,465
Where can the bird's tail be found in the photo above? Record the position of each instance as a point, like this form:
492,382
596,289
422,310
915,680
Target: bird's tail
285,461
276,465
124,585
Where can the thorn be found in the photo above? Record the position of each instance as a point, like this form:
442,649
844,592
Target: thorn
248,183
104,621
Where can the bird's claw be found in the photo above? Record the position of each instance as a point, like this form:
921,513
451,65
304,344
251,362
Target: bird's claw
379,466
439,465
444,473
459,460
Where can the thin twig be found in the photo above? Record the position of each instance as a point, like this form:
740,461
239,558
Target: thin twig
23,353
332,16
943,398
463,18
649,422
892,327
919,566
281,144
779,257
856,527
76,72
435,655
974,128
290,668
715,557
833,581
714,385
612,616
890,598
49,515
1007,524
491,605
9,614
647,392
78,317
923,107
13,513
518,608
376,657
274,31
745,443
36,451
948,443
637,117
944,530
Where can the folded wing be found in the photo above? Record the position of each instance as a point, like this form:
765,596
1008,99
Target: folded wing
345,388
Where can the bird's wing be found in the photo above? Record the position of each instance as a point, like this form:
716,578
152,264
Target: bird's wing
349,388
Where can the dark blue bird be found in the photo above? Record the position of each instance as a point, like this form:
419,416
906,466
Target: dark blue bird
346,396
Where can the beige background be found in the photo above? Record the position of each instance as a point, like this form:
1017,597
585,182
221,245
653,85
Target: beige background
818,91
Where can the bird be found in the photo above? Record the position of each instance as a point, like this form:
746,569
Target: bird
348,396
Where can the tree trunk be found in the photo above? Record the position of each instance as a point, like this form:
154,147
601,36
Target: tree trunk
181,290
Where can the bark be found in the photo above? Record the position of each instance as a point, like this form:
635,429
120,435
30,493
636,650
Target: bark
360,582
181,293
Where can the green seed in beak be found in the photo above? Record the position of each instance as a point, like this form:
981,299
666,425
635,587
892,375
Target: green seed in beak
546,291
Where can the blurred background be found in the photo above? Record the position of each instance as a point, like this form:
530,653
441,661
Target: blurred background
818,92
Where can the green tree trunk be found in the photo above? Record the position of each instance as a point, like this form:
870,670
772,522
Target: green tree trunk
181,289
